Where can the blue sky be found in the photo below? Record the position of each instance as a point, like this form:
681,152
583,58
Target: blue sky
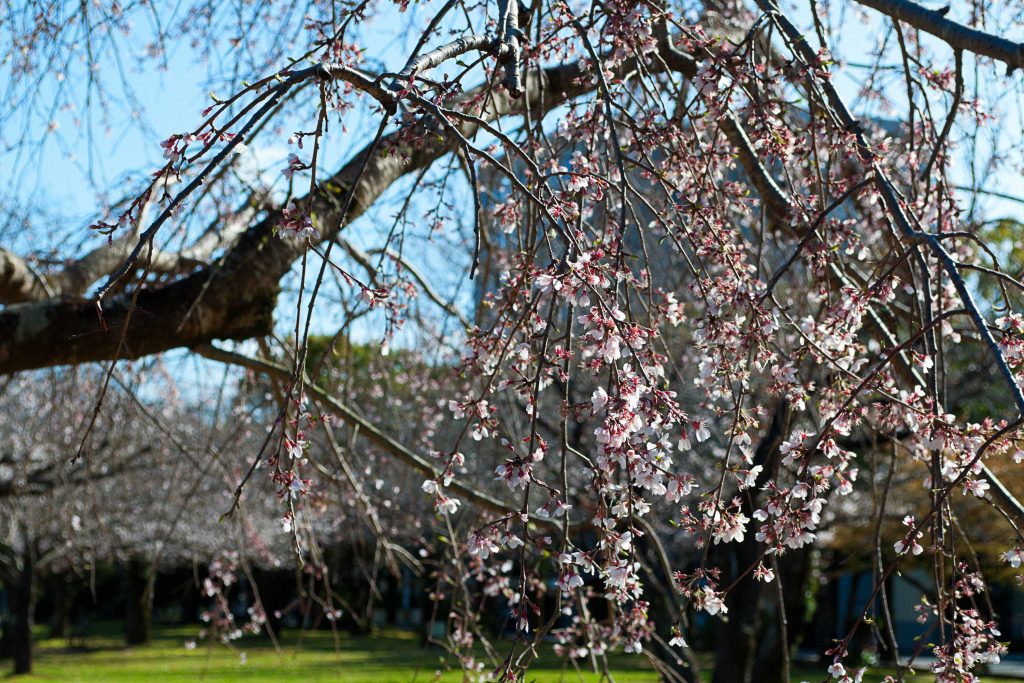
80,158
79,165
74,157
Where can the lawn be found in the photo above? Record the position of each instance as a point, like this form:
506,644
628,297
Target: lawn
310,656
394,657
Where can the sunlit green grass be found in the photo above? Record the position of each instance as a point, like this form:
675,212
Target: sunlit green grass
394,657
309,656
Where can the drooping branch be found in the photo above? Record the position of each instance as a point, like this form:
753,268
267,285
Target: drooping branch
363,259
272,98
904,221
777,204
235,298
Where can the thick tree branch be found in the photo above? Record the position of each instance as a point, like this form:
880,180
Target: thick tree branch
438,56
958,36
19,283
62,332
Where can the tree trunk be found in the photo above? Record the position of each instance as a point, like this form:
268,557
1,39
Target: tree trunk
737,636
23,608
138,602
190,601
62,599
734,652
664,607
392,598
793,577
